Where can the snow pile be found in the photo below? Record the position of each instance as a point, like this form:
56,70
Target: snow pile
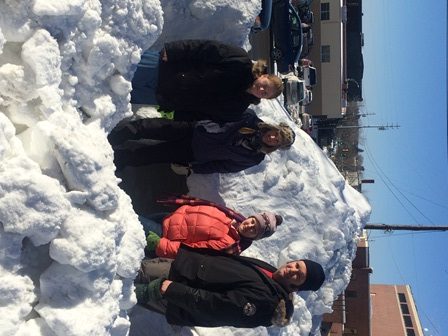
70,243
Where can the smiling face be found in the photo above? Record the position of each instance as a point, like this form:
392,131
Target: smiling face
249,228
263,87
271,138
291,275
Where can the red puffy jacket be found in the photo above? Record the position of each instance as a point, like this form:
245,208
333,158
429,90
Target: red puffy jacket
196,226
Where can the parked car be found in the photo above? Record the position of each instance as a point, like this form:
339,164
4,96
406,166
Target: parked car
308,98
307,43
301,3
307,122
309,75
306,15
287,35
263,19
294,89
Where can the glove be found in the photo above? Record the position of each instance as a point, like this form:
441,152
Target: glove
152,240
141,292
149,292
181,170
154,289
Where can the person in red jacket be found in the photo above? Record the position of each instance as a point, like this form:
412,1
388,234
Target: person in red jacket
203,224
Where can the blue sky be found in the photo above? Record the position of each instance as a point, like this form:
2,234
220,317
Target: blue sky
405,83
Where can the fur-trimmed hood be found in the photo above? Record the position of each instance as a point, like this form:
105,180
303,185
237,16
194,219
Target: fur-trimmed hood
283,312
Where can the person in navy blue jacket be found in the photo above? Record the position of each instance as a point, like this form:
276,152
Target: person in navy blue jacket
203,147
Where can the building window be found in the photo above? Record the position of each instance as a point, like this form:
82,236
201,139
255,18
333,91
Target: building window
402,297
404,308
410,332
325,54
351,294
350,331
407,321
325,11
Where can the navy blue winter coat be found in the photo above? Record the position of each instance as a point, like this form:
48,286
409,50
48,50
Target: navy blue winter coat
220,150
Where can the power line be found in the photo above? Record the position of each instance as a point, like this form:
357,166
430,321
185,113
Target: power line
405,197
387,186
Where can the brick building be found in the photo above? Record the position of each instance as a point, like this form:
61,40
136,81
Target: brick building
394,311
365,309
351,310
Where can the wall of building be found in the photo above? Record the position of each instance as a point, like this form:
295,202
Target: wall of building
351,311
329,33
394,311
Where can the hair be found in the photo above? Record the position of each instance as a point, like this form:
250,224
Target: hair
260,68
287,136
278,85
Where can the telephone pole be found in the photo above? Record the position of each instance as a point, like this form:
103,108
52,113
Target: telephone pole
380,127
390,228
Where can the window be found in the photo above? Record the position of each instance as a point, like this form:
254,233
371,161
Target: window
325,11
325,54
351,294
404,308
410,332
401,297
407,321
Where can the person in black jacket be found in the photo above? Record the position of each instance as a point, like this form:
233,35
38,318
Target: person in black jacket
210,288
203,147
202,79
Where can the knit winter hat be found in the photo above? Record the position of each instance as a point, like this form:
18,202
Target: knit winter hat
287,135
268,223
315,276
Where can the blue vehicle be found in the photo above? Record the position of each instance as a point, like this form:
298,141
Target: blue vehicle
263,19
287,37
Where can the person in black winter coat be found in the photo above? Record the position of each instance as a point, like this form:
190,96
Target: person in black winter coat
204,147
202,79
210,288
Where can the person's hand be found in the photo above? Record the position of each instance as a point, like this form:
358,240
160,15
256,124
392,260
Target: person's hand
181,169
154,289
164,56
165,286
152,240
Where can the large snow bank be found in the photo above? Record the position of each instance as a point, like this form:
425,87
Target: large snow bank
70,243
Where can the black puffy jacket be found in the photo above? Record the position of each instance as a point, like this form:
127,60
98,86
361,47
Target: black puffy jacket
211,288
205,79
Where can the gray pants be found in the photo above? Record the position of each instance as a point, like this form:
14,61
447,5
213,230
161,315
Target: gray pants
152,269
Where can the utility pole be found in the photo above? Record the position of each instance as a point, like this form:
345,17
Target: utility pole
379,127
390,228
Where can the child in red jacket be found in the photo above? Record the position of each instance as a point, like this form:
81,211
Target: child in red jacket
203,224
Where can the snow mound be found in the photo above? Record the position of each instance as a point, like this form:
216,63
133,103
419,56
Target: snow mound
70,241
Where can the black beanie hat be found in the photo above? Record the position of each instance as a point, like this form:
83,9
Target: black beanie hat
315,276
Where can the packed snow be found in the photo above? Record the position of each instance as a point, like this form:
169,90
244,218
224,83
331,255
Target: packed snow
70,242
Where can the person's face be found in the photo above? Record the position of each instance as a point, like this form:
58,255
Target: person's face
291,274
271,138
263,87
249,228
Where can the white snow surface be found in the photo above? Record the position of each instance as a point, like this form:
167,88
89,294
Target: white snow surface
70,242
